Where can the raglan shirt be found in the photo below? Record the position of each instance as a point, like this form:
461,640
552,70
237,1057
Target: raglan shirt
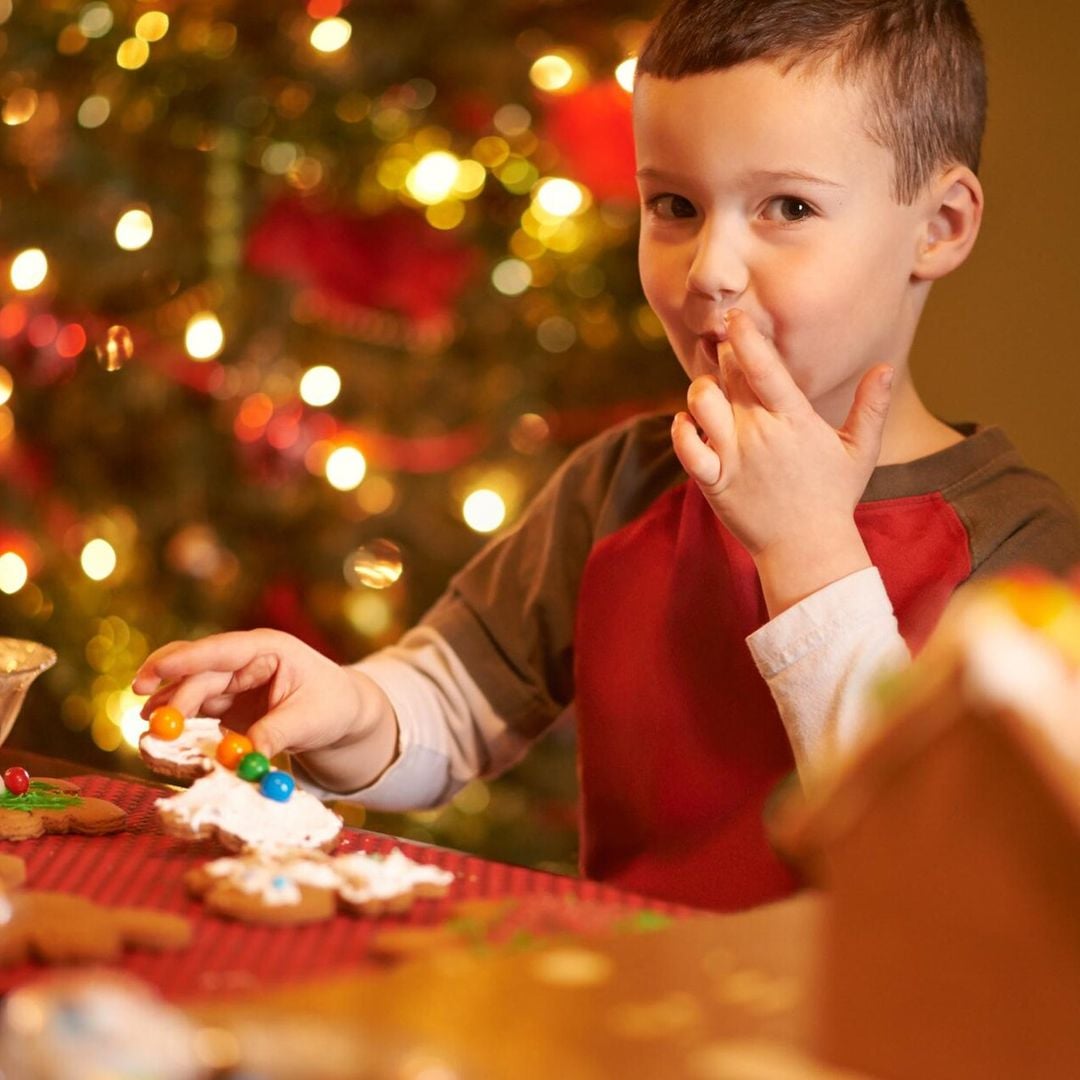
621,593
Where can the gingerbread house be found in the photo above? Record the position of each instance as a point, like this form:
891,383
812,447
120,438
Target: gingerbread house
950,848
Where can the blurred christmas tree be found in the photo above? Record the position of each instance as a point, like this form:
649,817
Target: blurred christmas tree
299,303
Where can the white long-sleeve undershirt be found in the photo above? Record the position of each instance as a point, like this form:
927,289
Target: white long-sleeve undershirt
819,659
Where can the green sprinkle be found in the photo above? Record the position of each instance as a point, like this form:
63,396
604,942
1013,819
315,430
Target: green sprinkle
644,922
521,939
41,796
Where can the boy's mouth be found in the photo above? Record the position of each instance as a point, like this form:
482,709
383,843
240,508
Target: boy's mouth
709,346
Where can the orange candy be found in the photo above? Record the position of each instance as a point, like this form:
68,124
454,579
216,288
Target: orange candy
166,722
232,748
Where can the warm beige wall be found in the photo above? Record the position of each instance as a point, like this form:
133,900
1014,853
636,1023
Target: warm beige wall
999,341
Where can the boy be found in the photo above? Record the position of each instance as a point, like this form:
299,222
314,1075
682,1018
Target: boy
807,171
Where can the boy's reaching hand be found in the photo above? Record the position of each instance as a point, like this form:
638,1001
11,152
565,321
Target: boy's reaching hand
287,696
781,478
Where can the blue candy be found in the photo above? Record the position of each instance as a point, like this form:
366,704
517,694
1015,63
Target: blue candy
277,785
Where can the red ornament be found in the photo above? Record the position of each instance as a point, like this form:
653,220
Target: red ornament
17,780
393,262
593,131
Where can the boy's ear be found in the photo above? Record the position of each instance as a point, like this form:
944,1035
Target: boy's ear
954,203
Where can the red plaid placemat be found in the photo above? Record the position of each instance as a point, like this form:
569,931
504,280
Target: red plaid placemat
143,867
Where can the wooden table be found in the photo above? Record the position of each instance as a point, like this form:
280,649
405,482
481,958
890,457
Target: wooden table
516,973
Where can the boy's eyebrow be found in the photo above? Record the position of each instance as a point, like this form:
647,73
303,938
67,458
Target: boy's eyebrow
758,176
775,175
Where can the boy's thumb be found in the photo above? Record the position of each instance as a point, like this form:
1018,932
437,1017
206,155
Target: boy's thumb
269,735
866,421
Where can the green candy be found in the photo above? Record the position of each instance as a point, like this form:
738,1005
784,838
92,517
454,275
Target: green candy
253,766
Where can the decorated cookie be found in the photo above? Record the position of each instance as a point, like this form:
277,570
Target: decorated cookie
183,749
225,806
297,887
58,928
97,1023
31,806
290,887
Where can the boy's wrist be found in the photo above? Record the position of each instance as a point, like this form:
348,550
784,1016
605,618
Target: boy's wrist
367,750
790,570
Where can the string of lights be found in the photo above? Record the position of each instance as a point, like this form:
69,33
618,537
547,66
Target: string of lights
299,304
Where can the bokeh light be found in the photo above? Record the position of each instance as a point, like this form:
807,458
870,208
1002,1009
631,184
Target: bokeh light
7,385
70,341
512,277
368,612
20,106
94,111
29,269
432,178
624,73
552,72
95,20
134,229
484,510
117,349
13,572
320,385
152,26
203,337
98,559
559,198
345,468
378,564
512,120
329,35
132,724
132,54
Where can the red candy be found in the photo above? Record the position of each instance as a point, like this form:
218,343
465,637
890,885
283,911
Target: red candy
17,780
166,722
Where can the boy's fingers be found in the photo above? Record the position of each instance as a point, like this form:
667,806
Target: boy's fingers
188,695
700,461
281,729
219,652
760,365
712,411
865,422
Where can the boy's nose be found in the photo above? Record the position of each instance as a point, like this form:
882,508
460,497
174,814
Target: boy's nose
718,268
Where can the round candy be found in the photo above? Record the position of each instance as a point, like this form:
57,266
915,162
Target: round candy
277,785
253,766
17,780
166,722
232,749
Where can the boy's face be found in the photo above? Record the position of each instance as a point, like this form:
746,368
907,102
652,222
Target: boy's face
763,191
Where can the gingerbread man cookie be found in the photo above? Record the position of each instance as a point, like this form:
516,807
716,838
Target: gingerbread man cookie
58,928
296,887
238,798
30,807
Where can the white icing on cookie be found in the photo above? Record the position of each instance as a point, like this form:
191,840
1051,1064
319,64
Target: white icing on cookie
366,877
275,880
358,878
196,744
221,800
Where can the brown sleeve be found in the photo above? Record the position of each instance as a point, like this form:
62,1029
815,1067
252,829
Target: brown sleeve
509,614
1014,516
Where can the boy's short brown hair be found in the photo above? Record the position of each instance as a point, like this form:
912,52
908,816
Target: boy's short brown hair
922,60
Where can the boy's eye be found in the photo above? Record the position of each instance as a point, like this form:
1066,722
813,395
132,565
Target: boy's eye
788,208
671,206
